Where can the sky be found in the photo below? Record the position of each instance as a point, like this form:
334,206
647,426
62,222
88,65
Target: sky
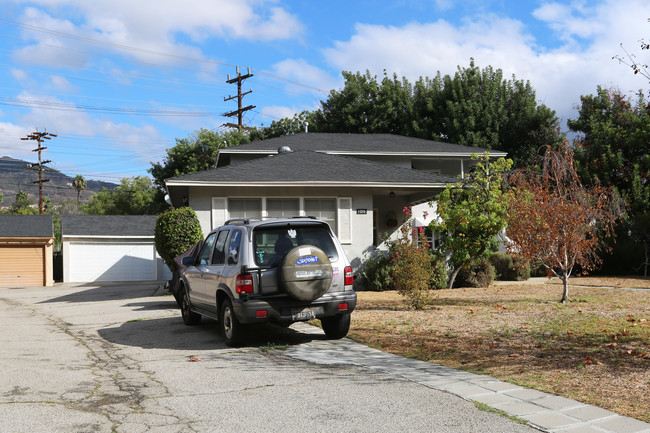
118,81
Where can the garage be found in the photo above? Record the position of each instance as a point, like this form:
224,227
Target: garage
110,248
26,248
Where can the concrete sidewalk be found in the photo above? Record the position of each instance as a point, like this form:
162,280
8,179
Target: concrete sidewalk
546,412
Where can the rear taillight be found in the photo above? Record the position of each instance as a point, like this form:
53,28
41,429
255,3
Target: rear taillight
349,276
244,283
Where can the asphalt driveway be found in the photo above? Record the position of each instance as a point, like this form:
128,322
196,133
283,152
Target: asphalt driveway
116,358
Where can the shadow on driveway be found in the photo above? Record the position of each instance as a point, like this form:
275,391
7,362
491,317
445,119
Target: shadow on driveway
172,333
108,291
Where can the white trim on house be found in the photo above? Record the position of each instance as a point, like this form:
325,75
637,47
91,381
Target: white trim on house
343,211
310,184
495,154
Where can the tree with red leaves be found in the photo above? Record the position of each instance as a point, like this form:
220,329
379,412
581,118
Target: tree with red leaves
557,222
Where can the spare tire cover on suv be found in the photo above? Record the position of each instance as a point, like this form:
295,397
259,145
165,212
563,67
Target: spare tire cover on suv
306,272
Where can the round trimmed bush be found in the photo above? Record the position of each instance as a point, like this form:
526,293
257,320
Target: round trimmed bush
177,230
478,274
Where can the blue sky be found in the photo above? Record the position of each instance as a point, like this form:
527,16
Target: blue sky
119,80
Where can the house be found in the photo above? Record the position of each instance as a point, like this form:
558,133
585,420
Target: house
358,183
110,248
26,248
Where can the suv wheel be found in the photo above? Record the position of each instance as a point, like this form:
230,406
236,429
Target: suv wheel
189,317
232,329
336,327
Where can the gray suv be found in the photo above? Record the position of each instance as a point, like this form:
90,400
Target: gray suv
280,270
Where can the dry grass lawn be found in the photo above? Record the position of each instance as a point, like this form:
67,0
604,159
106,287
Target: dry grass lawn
595,349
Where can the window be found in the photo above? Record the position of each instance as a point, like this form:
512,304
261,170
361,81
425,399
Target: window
245,207
271,243
282,207
323,209
204,256
219,248
233,247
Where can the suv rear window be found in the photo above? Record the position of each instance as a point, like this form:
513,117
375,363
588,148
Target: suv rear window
271,243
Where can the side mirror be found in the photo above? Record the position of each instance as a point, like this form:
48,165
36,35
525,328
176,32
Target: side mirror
188,261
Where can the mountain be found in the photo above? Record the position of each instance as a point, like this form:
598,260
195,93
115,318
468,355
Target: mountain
15,177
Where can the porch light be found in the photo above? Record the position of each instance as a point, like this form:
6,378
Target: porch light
391,194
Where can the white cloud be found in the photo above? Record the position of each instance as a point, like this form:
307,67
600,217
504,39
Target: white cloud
152,25
61,84
300,71
559,75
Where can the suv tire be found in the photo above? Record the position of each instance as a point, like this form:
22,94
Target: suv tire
190,318
336,327
233,331
315,264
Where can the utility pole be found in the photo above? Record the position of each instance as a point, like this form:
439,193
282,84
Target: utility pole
240,111
39,166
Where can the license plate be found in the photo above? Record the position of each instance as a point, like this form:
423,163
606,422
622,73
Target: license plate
303,313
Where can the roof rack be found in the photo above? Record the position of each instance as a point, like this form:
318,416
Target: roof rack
249,219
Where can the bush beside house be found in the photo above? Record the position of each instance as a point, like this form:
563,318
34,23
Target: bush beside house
176,231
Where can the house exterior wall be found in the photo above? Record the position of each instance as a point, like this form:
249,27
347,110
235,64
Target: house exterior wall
354,211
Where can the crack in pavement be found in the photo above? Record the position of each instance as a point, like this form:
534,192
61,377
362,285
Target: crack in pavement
120,386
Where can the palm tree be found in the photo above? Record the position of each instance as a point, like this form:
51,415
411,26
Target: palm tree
79,184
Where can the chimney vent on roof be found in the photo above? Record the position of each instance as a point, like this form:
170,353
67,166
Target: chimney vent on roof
284,149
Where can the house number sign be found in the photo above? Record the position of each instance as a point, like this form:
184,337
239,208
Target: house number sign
362,211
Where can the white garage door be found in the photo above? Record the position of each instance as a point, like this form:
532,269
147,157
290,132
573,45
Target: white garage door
111,262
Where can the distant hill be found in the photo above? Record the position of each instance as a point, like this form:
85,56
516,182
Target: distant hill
14,177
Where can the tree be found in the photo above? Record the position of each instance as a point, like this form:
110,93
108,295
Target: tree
614,146
557,222
23,205
475,107
194,153
133,196
613,150
482,109
79,183
472,213
365,106
631,60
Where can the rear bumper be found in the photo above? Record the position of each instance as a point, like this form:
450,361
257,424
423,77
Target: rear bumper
281,309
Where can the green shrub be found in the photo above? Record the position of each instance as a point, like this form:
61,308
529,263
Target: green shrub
438,271
477,274
510,267
176,231
412,274
376,273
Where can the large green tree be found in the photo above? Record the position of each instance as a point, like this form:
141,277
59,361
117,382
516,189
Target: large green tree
133,196
474,107
472,213
483,109
613,146
613,150
195,153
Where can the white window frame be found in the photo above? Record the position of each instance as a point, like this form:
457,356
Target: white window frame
343,211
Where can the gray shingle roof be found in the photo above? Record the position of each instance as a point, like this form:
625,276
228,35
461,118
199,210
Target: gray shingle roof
108,225
356,143
312,167
26,226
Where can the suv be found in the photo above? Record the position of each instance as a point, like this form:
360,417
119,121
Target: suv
280,270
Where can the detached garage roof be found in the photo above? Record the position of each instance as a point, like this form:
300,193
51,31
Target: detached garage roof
114,226
304,168
26,226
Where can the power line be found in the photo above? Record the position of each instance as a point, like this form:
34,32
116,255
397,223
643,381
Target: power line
49,105
145,51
